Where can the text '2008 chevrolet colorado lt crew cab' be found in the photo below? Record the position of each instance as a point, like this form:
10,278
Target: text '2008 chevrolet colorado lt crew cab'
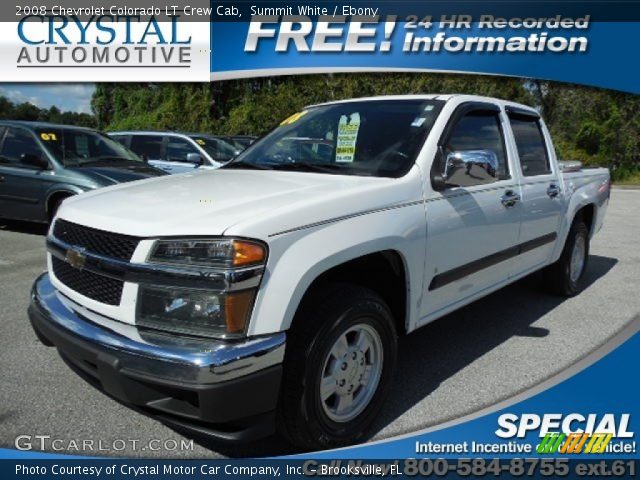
272,291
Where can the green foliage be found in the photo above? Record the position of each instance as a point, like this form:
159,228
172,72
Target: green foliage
596,126
169,106
28,111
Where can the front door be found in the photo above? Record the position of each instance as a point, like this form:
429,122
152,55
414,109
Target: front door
473,225
21,186
175,158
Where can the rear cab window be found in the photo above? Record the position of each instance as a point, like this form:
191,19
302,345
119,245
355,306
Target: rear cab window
532,147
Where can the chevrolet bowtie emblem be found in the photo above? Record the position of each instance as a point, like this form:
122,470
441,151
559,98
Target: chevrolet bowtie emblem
76,258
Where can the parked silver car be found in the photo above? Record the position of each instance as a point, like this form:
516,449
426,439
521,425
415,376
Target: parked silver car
177,152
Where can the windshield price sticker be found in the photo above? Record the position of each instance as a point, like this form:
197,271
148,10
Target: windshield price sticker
199,141
47,137
347,137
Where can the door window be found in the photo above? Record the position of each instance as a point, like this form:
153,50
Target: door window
18,142
532,149
122,139
178,149
149,146
474,153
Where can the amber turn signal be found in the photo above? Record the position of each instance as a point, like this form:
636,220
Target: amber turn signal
237,308
247,253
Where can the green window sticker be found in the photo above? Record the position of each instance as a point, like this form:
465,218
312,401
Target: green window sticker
348,128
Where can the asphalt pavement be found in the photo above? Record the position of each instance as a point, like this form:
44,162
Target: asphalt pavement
486,352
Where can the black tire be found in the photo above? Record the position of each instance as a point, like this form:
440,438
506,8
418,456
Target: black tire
557,276
321,320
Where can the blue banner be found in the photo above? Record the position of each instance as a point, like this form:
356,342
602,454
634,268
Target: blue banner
283,40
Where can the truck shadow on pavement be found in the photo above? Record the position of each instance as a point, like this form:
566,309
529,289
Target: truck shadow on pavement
431,355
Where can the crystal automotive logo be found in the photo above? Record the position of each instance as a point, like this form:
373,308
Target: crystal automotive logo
573,433
102,41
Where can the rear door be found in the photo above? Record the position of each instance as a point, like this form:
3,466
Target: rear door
21,186
541,202
472,228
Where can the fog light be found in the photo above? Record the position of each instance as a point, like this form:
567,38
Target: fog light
193,312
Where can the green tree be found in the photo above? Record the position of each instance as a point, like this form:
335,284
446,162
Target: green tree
593,125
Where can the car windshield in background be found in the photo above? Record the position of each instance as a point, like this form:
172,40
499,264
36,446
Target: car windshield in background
244,142
219,149
75,147
376,138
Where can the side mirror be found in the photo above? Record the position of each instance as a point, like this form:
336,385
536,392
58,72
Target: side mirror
34,160
194,158
478,165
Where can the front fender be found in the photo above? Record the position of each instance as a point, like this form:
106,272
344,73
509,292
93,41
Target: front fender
296,259
61,188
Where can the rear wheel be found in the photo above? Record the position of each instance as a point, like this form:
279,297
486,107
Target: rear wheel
565,276
340,358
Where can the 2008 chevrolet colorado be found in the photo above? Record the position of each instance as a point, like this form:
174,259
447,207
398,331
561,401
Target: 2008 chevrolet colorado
272,290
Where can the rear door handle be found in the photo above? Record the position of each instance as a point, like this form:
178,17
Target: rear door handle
553,191
1,179
510,198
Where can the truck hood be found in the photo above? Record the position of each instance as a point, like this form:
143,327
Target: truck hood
111,173
240,202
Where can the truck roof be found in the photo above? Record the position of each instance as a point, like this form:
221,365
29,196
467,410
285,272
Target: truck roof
436,96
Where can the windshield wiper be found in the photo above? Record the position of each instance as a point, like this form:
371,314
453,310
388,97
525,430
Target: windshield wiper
309,167
247,165
102,159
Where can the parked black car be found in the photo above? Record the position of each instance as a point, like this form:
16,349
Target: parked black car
41,164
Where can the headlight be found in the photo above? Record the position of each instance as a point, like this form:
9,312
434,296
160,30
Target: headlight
209,253
193,312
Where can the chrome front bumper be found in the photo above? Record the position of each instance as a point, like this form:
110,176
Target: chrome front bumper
203,380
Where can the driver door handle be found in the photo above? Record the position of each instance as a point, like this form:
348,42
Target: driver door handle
553,191
1,179
510,198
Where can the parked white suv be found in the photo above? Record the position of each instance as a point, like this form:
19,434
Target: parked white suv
271,291
176,152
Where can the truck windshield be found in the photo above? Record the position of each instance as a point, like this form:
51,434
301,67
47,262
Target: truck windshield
375,138
73,147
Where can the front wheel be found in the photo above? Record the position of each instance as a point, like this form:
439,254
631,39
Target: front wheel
340,358
565,277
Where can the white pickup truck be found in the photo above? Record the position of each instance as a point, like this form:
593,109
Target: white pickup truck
270,293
